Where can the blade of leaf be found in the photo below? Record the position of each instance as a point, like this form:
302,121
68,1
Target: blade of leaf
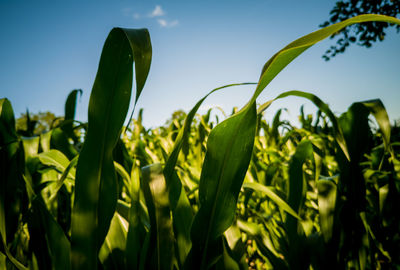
297,253
136,232
69,113
229,149
378,110
95,183
282,58
11,179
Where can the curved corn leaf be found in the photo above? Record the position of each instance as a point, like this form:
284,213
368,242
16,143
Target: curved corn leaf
272,196
70,104
282,58
69,113
378,110
95,182
111,254
229,149
180,206
124,174
57,160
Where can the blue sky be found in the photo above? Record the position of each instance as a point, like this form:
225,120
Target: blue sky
48,48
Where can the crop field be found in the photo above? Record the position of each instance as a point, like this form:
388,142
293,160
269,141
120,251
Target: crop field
200,192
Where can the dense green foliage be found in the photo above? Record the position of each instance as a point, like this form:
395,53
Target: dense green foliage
198,193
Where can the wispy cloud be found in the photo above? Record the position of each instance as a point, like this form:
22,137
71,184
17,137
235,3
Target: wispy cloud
166,23
157,12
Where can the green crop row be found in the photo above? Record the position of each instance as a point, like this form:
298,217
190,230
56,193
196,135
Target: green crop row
196,193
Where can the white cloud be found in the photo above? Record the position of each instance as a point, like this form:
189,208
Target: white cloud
157,12
162,22
166,23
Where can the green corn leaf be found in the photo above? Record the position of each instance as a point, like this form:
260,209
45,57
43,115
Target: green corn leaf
296,188
68,172
95,182
48,240
272,196
234,240
69,114
297,191
327,190
282,58
161,255
121,155
122,209
59,140
8,133
229,149
12,185
377,109
356,130
70,104
124,174
45,139
111,254
135,243
227,261
182,216
31,146
57,160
